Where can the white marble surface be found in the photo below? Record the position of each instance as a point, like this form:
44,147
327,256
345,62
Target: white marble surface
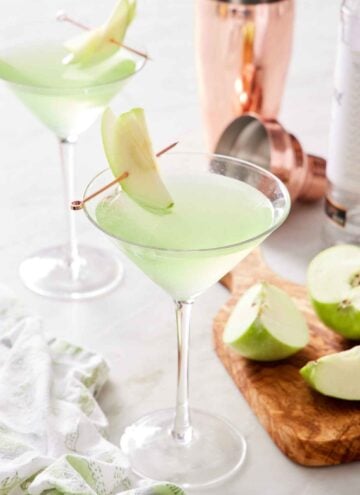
134,326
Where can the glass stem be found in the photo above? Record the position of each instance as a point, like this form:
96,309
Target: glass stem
67,148
182,431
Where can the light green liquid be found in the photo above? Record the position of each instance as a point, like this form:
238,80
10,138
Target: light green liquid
210,212
66,98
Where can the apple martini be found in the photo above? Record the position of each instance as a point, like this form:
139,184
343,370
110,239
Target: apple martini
185,229
66,79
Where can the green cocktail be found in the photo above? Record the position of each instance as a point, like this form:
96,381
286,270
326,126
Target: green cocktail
222,209
210,211
66,98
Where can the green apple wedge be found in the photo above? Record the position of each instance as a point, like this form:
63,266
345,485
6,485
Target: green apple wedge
335,375
266,325
98,44
128,149
334,288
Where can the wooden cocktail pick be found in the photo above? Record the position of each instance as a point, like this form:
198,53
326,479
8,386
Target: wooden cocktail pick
62,16
78,205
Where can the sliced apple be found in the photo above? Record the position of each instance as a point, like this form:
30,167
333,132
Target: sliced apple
336,375
128,148
265,325
98,44
334,287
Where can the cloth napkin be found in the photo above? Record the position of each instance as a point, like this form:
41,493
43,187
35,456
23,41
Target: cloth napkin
52,430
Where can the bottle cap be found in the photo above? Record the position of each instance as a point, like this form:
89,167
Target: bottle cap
268,144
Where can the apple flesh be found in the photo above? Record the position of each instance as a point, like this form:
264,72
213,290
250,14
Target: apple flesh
335,375
334,288
128,148
265,325
96,45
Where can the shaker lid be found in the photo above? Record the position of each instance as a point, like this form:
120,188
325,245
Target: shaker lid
269,145
246,137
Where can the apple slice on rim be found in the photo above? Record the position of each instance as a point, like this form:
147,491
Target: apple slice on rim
265,325
128,149
98,44
335,375
334,287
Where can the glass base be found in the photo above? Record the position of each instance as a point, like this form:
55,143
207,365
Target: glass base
215,452
49,273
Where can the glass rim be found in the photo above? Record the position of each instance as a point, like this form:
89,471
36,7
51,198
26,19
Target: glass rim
50,89
239,161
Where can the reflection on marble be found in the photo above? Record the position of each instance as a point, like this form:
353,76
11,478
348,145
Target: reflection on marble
134,325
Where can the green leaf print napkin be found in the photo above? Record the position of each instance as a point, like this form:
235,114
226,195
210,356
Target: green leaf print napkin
51,427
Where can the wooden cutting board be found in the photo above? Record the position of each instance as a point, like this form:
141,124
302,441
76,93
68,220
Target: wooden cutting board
309,428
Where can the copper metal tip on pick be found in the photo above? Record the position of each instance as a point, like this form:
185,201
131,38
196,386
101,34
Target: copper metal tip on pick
76,205
79,205
62,16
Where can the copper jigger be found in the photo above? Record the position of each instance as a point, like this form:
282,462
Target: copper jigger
267,144
243,51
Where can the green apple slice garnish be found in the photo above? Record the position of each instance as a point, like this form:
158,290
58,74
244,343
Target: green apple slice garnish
98,44
335,375
334,287
128,149
265,325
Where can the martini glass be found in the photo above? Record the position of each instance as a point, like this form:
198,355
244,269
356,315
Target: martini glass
31,65
185,252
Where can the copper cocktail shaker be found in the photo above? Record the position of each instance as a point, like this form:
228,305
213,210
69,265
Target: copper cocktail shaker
268,144
243,51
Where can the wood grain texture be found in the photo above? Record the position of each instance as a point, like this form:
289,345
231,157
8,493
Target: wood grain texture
309,428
